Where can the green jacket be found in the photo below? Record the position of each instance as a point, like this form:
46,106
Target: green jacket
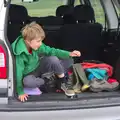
26,62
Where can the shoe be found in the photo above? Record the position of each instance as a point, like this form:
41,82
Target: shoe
103,85
85,87
67,89
76,88
50,82
77,91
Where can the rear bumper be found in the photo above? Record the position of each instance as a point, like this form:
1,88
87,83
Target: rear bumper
106,113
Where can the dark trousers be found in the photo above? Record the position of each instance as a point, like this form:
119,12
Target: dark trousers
47,64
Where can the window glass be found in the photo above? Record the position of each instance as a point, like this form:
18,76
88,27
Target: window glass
99,13
117,6
77,2
40,7
117,10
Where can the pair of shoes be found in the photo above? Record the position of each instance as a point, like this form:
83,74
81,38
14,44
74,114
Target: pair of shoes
78,89
68,87
70,91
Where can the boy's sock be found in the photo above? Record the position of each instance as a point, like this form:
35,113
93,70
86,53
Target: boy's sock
63,79
60,81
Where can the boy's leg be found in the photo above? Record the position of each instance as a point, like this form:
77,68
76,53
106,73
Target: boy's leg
66,63
53,64
31,81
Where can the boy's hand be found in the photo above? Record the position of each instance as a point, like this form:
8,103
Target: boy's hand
75,53
23,97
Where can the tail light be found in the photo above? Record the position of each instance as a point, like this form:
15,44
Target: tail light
3,65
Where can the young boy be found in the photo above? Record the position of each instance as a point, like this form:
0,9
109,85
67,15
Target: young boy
29,66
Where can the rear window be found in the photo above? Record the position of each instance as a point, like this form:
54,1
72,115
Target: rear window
40,7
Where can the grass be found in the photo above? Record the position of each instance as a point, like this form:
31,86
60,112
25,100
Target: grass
41,12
